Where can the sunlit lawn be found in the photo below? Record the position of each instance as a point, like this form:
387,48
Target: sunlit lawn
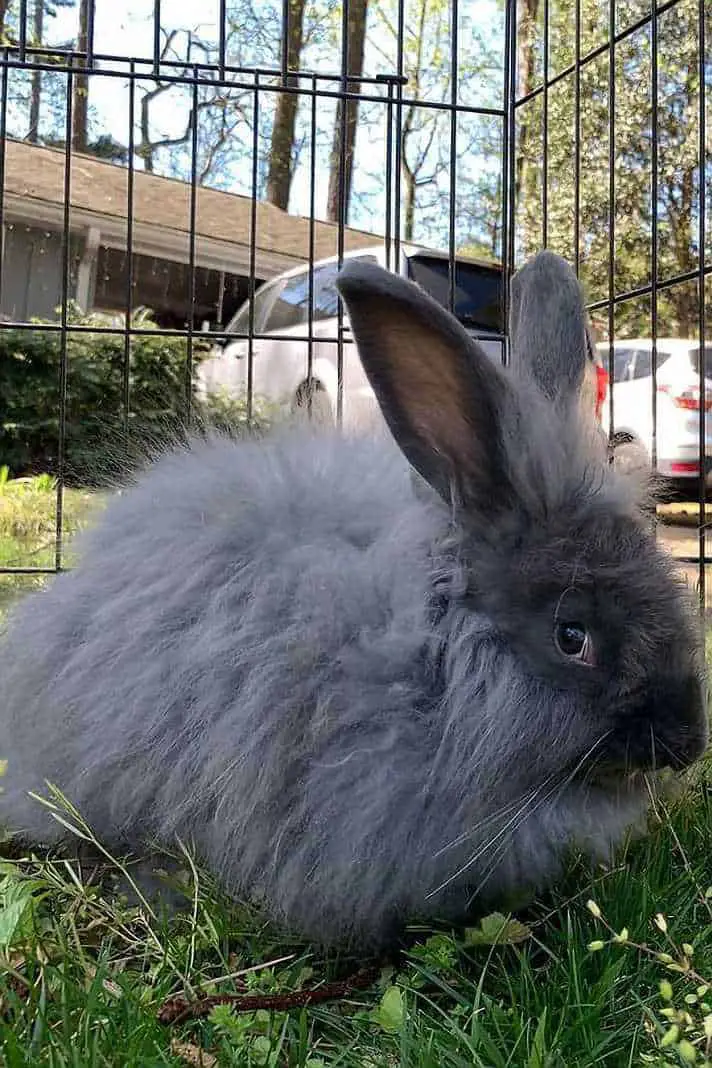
28,523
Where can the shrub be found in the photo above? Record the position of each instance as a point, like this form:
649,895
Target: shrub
97,425
222,411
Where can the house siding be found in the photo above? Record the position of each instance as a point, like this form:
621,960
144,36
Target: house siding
32,267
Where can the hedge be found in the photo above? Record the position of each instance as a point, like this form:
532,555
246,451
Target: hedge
98,434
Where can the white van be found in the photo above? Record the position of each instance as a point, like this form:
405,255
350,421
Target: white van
301,374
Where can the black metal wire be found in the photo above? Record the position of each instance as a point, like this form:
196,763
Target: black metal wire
654,223
388,222
545,139
3,142
157,62
645,290
595,53
509,191
312,241
253,250
342,208
109,64
702,324
611,205
246,85
91,15
161,331
398,162
452,221
577,137
222,39
63,335
22,31
191,251
126,384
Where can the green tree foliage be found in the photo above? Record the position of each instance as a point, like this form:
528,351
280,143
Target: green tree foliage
677,196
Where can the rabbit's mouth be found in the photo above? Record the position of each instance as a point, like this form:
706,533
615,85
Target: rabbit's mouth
610,779
622,779
618,772
631,755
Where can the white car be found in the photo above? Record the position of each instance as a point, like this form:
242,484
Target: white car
293,371
675,425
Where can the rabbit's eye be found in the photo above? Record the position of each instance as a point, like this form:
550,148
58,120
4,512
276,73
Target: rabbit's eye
573,641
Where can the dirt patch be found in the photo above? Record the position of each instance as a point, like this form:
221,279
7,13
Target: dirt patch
679,535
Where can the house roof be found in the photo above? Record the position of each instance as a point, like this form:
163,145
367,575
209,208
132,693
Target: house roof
34,193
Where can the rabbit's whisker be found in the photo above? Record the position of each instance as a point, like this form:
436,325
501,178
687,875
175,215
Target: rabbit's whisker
522,806
499,814
490,870
559,788
652,749
520,815
588,778
671,753
650,787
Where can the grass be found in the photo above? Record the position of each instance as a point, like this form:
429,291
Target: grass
85,974
623,982
28,520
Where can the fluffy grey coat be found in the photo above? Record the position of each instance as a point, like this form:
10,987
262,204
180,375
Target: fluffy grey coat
361,704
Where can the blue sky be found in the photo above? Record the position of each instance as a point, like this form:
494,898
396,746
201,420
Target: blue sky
126,28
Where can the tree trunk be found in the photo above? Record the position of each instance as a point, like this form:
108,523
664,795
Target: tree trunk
679,198
145,150
683,298
80,103
410,169
408,201
346,121
279,173
36,86
527,212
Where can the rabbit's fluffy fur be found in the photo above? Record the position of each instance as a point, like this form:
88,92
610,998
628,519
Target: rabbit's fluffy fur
341,691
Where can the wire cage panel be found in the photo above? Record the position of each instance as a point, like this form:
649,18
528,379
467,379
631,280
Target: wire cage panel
158,179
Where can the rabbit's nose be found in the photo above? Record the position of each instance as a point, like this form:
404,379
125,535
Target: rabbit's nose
681,725
667,729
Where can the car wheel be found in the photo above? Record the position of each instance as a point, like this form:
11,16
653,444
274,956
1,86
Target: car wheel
311,402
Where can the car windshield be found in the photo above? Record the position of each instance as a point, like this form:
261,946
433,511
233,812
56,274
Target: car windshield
478,298
695,359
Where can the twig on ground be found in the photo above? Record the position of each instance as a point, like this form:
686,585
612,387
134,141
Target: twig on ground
177,1010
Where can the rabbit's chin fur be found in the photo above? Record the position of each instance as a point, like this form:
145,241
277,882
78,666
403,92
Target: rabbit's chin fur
249,658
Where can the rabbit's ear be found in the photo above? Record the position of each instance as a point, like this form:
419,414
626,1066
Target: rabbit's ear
548,327
441,395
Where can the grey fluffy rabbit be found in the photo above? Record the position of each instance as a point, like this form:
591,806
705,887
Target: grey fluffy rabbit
365,705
